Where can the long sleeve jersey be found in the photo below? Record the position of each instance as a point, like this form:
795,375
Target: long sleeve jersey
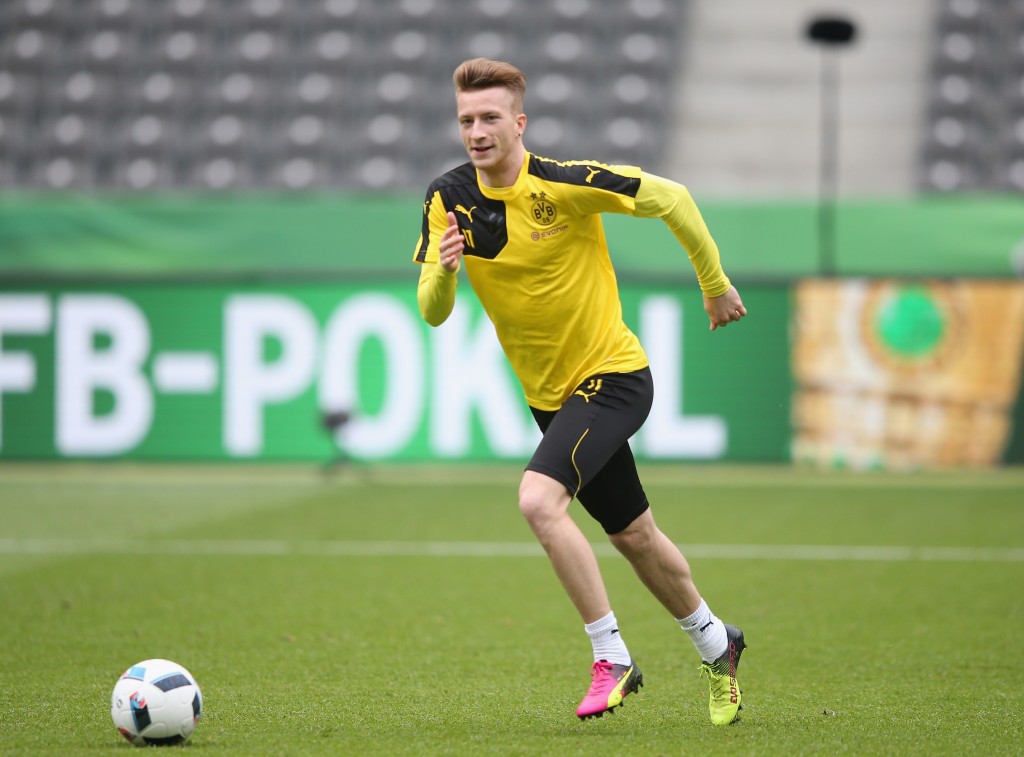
536,256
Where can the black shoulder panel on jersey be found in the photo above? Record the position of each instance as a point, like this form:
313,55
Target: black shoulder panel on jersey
584,174
464,174
482,220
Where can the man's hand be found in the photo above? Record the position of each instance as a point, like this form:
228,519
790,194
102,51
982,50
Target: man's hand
452,245
724,309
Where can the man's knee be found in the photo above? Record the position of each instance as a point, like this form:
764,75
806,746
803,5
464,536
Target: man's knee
636,538
541,498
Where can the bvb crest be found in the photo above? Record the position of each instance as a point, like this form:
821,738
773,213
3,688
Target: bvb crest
543,211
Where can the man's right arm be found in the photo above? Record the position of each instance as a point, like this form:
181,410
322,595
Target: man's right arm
439,253
436,292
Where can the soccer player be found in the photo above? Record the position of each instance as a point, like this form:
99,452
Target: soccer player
529,231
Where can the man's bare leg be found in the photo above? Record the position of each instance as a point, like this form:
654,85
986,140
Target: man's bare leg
544,503
659,564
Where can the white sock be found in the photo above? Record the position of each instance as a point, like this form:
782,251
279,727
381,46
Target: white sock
608,644
706,632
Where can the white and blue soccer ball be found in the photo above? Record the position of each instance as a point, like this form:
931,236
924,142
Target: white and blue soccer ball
156,702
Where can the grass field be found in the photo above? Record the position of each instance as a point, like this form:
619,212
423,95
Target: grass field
408,612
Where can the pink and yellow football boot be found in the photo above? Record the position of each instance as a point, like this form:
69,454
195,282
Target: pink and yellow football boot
610,685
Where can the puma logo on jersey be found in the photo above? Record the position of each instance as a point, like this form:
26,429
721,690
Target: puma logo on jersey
467,213
590,177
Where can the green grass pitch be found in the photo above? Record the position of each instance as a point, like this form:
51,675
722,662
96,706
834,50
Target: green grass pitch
407,611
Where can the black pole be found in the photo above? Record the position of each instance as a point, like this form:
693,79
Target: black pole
828,178
831,33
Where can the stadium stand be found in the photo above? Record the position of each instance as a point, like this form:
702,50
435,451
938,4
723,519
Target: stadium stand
975,125
305,94
129,95
748,104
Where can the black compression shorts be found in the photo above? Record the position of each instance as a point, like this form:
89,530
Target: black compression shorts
586,448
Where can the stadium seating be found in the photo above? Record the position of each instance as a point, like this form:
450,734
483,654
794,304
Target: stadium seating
129,95
975,123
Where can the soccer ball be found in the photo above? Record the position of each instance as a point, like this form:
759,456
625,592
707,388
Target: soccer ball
156,702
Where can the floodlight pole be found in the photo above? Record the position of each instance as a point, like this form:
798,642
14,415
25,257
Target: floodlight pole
831,33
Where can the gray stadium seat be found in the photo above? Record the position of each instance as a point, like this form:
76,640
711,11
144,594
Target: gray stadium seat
969,139
226,94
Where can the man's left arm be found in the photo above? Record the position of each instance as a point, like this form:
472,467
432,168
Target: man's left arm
662,198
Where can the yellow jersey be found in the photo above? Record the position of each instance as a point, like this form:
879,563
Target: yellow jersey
536,256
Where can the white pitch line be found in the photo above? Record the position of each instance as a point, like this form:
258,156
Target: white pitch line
274,547
454,475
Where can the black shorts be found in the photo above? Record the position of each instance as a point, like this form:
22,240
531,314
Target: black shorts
586,445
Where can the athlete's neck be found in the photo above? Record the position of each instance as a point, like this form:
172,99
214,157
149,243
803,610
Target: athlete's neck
505,175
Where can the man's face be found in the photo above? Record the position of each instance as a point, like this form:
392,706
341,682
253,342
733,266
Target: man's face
490,128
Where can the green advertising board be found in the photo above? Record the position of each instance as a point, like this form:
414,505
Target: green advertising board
301,235
192,371
224,327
